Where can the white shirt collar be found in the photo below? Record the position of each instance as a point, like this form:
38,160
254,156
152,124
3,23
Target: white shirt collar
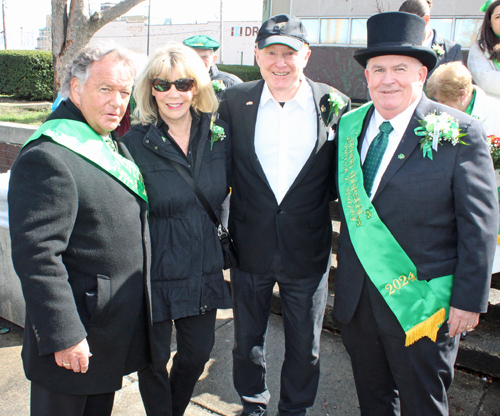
401,121
301,97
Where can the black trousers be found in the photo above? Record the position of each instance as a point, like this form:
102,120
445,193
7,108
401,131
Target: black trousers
167,394
48,403
392,379
303,302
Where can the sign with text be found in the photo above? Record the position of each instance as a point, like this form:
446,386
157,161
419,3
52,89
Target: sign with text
244,31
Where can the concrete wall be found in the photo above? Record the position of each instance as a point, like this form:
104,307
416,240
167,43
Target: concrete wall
12,137
11,296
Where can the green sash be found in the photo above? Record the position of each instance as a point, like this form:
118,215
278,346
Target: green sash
81,139
421,307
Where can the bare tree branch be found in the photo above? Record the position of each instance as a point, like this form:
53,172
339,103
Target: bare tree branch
73,28
116,11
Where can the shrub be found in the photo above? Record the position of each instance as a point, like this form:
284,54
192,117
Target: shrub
245,72
27,74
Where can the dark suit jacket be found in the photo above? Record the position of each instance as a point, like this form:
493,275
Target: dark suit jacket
301,223
452,51
443,212
79,246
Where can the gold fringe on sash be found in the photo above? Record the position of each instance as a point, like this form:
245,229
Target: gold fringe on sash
498,239
428,328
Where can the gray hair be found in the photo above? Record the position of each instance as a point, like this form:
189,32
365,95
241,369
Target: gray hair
81,65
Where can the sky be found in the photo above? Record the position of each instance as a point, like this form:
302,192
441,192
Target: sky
22,26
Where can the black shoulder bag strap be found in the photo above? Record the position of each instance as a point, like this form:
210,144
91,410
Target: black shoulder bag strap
192,184
228,248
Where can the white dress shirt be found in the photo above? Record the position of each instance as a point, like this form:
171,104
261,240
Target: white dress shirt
285,137
399,124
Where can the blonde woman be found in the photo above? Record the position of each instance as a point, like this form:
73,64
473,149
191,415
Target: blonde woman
172,129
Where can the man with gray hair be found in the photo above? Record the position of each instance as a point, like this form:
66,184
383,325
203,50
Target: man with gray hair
77,212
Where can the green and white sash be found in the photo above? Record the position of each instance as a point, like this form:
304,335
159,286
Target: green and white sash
81,139
421,307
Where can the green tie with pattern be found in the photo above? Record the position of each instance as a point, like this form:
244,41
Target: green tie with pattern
375,154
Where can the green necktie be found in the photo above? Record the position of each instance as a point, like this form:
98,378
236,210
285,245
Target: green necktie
375,154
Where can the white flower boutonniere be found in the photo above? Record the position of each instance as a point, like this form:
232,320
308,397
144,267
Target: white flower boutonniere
217,133
438,49
436,128
336,103
218,85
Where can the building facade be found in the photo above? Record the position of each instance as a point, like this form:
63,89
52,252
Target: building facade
237,40
337,28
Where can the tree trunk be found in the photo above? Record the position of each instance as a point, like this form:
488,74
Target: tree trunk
73,28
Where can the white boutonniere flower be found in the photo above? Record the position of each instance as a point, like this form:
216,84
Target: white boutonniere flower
438,49
217,133
437,128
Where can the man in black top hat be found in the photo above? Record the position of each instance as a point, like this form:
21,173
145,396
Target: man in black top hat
419,218
283,130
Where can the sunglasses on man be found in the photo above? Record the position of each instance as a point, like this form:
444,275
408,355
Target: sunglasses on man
182,85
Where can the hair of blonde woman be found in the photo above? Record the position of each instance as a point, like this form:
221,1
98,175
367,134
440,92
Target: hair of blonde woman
448,79
187,64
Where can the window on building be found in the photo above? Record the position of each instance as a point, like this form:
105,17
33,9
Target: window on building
358,32
443,26
334,31
352,31
312,28
466,31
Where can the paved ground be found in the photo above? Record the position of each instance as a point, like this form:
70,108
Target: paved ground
470,395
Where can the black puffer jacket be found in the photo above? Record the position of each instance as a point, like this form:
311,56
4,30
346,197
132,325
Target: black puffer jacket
187,261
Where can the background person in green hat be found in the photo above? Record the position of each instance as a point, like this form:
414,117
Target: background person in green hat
206,47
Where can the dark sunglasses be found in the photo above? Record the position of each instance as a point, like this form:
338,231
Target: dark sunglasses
182,85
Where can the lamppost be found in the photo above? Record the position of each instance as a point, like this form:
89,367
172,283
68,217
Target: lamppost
149,21
4,31
221,49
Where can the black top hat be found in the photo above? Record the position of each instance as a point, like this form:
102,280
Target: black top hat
283,29
396,33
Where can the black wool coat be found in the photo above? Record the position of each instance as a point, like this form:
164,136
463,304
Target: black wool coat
187,260
79,246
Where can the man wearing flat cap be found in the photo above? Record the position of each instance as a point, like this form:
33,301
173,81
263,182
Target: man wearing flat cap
419,218
283,129
205,47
